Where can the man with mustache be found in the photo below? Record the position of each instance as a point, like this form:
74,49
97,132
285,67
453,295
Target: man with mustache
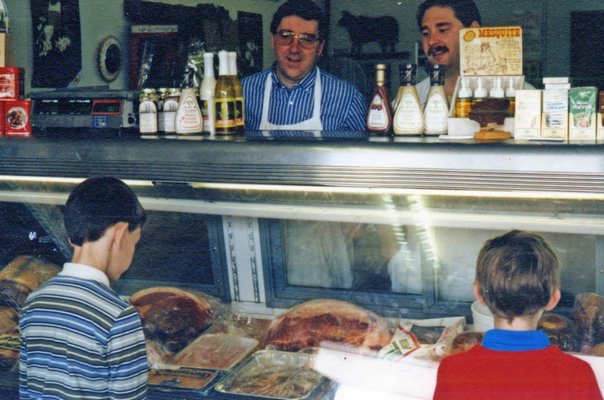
294,94
439,22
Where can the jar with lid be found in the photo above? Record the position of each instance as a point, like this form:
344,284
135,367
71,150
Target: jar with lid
147,111
161,98
170,108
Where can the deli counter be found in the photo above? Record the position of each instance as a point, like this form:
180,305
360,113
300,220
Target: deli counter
265,221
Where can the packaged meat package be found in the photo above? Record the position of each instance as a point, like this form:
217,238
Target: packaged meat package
221,351
21,276
308,324
429,339
182,383
173,317
562,331
274,375
588,313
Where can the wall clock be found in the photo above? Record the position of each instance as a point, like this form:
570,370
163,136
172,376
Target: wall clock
110,58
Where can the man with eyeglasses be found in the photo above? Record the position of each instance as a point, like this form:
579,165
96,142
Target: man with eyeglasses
294,94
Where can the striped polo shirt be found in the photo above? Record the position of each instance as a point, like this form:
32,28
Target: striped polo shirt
80,340
343,107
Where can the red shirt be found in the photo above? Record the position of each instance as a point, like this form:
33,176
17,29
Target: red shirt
546,373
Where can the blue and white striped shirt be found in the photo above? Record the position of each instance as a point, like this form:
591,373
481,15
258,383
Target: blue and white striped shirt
343,107
80,340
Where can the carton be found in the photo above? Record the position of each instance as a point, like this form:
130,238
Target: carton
554,119
582,113
528,114
600,119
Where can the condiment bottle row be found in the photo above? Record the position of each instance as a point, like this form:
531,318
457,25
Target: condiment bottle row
216,107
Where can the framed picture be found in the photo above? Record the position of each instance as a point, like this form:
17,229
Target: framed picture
56,46
251,49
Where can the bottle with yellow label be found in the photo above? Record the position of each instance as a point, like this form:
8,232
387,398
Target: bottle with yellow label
463,104
239,112
224,98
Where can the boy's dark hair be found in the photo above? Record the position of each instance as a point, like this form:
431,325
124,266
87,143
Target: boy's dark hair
97,204
517,273
465,11
304,9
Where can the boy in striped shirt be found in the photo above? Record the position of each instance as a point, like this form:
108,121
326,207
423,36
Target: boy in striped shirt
79,339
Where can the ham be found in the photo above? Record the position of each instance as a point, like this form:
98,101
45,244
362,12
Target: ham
173,317
310,323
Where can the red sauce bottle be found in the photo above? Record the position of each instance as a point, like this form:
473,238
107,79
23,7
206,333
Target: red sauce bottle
379,115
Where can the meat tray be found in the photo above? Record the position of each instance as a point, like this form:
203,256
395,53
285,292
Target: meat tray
215,351
182,382
272,374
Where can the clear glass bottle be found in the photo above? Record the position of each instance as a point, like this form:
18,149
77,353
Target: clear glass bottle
238,89
224,98
436,111
161,97
408,115
206,93
379,115
147,111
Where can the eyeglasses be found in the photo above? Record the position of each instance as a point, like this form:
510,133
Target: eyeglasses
305,40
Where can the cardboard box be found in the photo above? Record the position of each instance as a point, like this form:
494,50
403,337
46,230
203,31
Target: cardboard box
491,51
600,119
582,113
554,119
17,117
12,83
527,124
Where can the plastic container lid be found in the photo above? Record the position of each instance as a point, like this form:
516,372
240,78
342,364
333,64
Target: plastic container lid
511,90
497,90
464,90
483,319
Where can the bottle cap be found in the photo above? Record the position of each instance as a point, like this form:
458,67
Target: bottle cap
464,90
497,90
480,91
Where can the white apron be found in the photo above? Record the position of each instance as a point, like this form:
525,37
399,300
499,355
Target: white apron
312,124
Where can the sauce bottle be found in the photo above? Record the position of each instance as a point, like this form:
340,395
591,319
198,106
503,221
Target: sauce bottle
436,111
188,115
206,94
480,93
224,98
408,115
239,113
497,91
510,93
170,109
147,111
161,98
463,104
379,115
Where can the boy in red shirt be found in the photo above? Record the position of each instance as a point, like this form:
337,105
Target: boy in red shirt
517,278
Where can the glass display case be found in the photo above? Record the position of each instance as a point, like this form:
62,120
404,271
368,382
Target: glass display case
264,222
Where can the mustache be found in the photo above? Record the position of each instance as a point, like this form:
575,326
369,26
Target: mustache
436,49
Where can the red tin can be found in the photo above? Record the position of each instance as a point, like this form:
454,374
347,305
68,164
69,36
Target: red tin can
12,83
17,121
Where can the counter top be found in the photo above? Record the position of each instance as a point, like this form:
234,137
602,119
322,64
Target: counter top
334,159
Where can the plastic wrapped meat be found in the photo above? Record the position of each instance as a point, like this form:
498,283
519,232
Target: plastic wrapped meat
310,323
21,276
588,312
215,351
562,332
273,374
174,317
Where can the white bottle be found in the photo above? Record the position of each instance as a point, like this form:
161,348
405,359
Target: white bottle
206,93
188,115
408,115
436,111
147,111
170,109
497,90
